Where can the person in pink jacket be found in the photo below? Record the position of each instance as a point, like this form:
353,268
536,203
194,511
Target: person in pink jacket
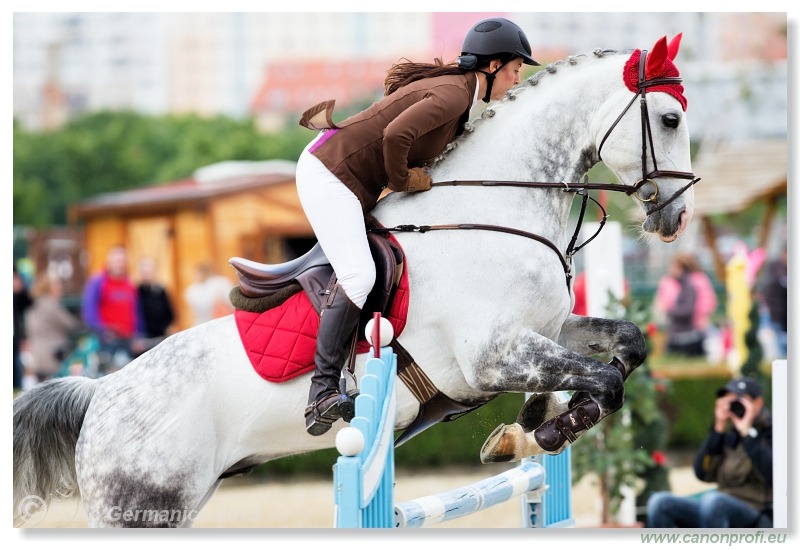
686,298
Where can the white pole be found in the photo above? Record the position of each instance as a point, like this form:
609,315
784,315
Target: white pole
603,267
780,438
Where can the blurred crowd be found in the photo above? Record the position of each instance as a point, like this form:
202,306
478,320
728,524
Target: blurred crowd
692,321
120,317
685,306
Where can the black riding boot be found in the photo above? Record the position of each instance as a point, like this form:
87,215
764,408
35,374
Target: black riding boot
337,325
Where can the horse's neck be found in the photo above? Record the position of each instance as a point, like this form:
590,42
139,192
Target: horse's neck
546,134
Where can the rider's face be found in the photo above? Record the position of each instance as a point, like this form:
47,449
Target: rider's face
506,78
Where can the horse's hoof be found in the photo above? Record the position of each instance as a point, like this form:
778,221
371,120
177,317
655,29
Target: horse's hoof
504,444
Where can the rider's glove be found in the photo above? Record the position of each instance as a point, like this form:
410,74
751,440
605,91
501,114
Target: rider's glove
418,180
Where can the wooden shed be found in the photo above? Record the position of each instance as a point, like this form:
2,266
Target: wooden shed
247,209
734,177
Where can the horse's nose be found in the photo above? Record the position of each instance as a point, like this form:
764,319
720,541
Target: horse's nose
683,221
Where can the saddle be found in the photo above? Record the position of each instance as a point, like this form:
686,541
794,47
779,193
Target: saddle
263,287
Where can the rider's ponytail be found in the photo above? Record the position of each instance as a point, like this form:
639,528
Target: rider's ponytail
401,74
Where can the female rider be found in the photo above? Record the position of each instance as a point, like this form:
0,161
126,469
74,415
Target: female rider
343,171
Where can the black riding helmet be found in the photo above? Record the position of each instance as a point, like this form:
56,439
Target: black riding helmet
494,37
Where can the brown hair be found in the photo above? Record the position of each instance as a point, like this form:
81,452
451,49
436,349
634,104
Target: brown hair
406,72
687,262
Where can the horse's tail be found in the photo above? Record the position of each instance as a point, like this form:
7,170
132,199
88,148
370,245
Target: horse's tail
47,423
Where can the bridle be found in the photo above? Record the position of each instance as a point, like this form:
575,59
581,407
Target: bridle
647,137
580,188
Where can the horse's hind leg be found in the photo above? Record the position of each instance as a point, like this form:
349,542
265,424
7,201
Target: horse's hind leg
143,480
547,424
129,501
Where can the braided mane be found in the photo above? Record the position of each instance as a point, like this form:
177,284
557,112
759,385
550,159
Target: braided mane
514,92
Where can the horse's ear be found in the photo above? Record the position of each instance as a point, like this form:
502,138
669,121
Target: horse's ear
656,58
674,46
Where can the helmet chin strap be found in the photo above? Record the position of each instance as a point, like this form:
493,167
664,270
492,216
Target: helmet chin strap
490,81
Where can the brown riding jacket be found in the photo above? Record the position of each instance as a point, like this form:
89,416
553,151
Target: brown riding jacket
406,129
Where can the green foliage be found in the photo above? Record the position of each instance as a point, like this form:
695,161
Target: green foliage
446,444
689,406
113,151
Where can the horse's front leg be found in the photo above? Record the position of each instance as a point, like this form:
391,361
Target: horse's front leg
592,335
588,336
547,424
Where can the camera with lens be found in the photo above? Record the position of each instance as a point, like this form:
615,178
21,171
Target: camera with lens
737,408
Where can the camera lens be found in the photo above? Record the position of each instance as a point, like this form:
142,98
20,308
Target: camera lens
737,409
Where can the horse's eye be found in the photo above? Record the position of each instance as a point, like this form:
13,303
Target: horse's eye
671,120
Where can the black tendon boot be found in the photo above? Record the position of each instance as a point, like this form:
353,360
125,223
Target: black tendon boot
337,326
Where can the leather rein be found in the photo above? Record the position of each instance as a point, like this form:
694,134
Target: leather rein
580,188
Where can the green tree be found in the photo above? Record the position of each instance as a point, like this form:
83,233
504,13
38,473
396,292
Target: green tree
113,151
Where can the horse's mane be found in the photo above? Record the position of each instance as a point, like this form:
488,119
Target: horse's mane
513,93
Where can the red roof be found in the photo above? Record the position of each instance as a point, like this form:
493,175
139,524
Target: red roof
296,86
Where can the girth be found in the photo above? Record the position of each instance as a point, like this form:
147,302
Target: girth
434,406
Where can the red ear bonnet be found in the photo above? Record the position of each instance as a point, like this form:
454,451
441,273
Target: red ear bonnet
659,64
674,46
655,59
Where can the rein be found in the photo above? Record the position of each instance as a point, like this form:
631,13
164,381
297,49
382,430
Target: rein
581,188
565,259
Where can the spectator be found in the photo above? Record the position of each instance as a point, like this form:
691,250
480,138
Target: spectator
208,295
686,298
738,459
22,301
48,326
110,309
774,293
155,306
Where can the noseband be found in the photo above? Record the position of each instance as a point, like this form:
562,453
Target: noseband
647,137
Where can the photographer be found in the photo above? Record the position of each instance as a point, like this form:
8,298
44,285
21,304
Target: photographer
737,456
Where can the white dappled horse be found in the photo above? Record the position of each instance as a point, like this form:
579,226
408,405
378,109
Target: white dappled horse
490,312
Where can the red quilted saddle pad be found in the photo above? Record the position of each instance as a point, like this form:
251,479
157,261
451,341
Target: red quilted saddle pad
280,342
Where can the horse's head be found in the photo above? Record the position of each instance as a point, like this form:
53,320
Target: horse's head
646,143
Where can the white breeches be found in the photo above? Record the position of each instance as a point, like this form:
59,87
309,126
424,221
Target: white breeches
337,219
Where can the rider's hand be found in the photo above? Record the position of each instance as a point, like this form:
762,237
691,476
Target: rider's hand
418,180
